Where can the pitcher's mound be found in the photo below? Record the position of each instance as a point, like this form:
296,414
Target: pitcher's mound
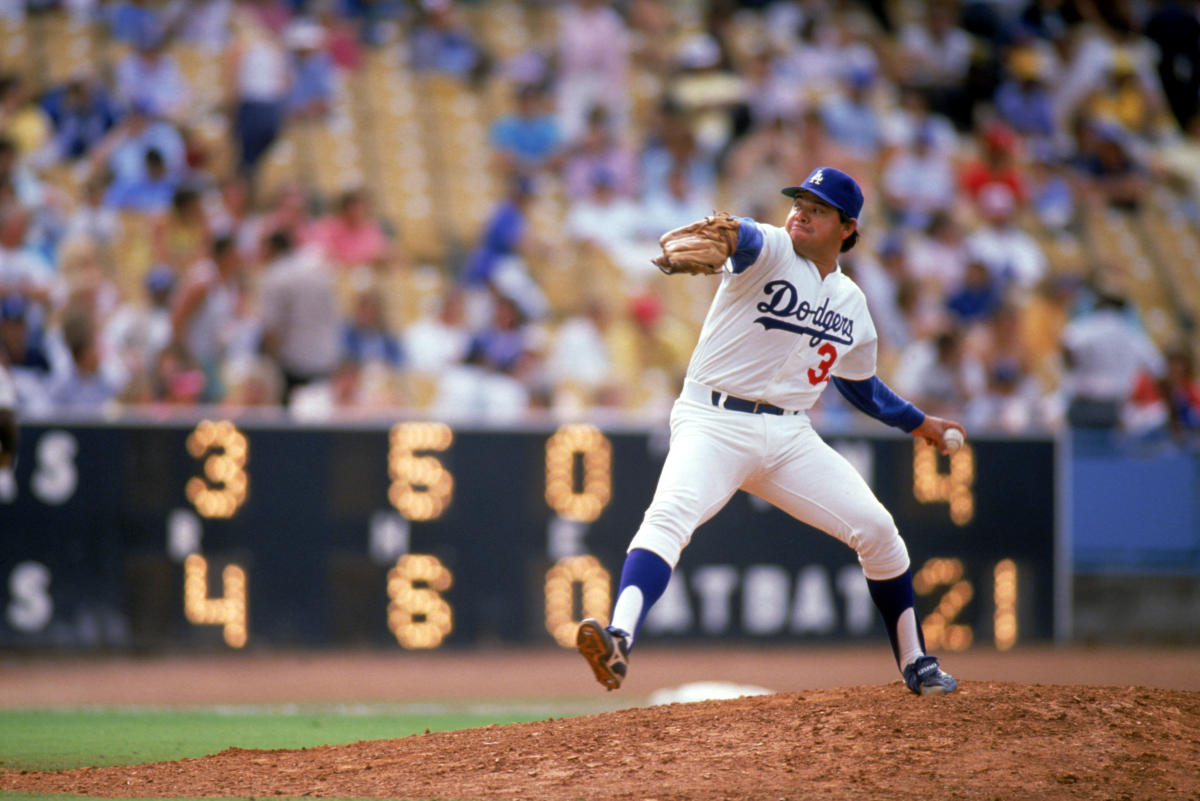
989,740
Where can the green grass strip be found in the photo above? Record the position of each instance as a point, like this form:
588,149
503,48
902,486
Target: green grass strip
62,739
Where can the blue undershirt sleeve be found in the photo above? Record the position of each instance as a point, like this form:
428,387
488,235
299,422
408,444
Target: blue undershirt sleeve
876,399
749,245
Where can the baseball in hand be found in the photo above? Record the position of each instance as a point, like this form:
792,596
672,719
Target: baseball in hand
952,439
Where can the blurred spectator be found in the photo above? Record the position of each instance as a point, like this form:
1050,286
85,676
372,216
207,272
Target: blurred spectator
351,236
850,116
1103,353
367,337
443,42
1044,315
22,120
679,205
503,342
23,345
299,314
881,280
935,57
488,384
287,211
1052,195
939,376
315,81
149,77
1025,101
176,380
342,33
258,83
252,381
1122,98
123,151
204,23
1011,254
438,337
17,177
91,217
133,21
996,166
1010,402
182,235
85,387
672,145
82,114
1181,391
938,255
23,348
499,259
204,310
593,65
1114,177
599,150
1095,50
151,192
229,208
607,223
579,362
478,391
529,137
911,118
918,182
137,331
979,296
87,281
24,271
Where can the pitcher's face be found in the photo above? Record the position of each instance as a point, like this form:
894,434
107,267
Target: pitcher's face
815,226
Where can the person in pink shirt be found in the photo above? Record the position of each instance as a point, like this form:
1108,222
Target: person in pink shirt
351,235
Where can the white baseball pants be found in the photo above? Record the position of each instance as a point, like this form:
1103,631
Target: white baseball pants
781,459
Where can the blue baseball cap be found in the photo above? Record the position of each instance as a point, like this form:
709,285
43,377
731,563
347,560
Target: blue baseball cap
834,187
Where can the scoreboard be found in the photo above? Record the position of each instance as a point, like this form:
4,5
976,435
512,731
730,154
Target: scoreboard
237,534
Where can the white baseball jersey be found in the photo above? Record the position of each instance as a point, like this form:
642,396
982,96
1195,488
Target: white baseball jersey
776,331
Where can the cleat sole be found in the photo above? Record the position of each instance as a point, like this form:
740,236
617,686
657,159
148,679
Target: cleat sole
595,648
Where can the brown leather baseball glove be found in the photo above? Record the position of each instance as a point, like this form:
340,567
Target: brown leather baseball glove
700,248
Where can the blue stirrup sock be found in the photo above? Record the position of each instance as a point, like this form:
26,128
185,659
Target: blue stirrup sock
897,606
644,578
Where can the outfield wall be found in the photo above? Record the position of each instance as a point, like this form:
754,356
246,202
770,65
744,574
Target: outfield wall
422,535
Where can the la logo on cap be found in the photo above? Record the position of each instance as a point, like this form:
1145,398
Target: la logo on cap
816,177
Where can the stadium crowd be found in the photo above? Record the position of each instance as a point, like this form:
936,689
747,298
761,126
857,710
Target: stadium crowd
982,132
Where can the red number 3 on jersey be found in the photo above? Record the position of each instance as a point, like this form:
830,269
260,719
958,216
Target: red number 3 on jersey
828,354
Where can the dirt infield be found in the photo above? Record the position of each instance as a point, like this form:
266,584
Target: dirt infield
991,740
839,726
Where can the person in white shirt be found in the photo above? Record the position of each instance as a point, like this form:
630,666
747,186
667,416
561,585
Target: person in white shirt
1104,353
785,322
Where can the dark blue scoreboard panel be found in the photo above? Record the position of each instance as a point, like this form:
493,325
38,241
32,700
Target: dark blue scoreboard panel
231,534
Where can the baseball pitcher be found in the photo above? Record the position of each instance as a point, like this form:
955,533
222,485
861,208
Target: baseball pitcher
784,323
